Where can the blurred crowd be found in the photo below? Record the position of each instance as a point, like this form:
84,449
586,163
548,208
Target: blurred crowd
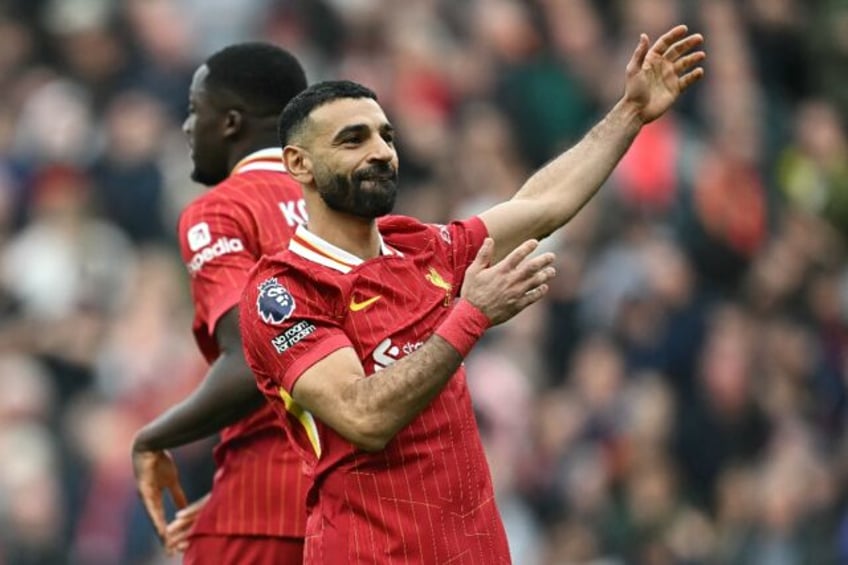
680,398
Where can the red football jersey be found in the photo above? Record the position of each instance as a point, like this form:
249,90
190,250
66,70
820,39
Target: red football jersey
259,486
427,497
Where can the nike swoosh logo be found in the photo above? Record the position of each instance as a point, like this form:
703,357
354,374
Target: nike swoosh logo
357,306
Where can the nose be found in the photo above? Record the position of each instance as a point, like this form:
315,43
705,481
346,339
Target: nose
187,126
381,151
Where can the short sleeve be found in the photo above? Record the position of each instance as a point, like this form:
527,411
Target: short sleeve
462,240
285,329
216,243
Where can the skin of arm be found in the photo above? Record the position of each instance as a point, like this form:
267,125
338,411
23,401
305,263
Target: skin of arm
655,78
369,410
227,394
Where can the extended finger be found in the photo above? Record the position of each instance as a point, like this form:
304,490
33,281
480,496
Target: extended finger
533,295
668,38
690,78
684,63
532,265
177,534
683,46
518,255
538,278
484,255
639,53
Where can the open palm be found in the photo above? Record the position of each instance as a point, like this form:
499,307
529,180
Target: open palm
656,77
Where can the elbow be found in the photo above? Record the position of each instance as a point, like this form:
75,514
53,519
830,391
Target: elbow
370,433
370,444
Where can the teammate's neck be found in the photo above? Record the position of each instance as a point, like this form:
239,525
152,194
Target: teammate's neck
248,146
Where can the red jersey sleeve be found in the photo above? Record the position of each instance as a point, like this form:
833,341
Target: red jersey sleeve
286,328
462,240
218,248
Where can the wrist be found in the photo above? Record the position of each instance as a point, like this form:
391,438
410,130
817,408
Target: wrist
628,114
463,327
140,444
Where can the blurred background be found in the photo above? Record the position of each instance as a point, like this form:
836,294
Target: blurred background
679,398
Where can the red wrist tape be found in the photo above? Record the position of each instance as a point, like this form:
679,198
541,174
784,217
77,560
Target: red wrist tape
463,326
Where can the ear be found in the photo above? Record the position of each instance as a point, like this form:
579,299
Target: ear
233,122
298,163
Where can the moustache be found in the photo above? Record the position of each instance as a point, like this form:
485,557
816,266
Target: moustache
381,171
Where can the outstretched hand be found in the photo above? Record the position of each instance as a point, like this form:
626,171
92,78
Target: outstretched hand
155,472
656,77
509,286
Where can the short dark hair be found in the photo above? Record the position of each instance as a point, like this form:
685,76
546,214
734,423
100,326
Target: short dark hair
264,77
296,111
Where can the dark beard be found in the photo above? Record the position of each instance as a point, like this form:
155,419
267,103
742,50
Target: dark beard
346,195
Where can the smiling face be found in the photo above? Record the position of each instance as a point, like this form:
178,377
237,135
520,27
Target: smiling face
354,164
205,127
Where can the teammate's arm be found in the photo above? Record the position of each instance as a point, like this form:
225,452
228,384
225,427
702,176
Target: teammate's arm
227,394
655,78
369,411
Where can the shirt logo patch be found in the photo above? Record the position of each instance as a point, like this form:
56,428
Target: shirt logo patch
274,303
436,280
357,306
199,236
292,335
444,231
223,246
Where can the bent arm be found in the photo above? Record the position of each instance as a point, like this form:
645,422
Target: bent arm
369,411
227,394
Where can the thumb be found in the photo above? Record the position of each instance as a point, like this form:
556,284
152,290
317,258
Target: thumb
178,495
638,54
484,255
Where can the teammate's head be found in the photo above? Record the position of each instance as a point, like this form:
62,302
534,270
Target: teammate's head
338,141
235,96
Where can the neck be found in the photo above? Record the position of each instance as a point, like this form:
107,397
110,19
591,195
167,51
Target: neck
355,235
247,146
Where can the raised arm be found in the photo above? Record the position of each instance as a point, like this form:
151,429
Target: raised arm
369,411
654,79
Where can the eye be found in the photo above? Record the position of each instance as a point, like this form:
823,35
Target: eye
352,140
389,137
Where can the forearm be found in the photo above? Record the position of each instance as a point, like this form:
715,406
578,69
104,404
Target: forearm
391,398
370,410
226,395
562,187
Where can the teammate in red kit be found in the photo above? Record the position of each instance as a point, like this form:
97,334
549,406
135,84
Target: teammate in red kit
256,510
357,332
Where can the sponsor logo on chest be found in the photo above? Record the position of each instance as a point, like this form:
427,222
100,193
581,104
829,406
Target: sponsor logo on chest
387,352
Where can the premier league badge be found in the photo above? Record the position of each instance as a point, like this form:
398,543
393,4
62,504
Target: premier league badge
274,303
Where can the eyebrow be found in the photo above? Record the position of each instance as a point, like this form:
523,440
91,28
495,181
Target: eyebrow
360,129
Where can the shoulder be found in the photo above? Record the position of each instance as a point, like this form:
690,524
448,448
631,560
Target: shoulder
405,231
280,289
409,234
255,185
286,271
